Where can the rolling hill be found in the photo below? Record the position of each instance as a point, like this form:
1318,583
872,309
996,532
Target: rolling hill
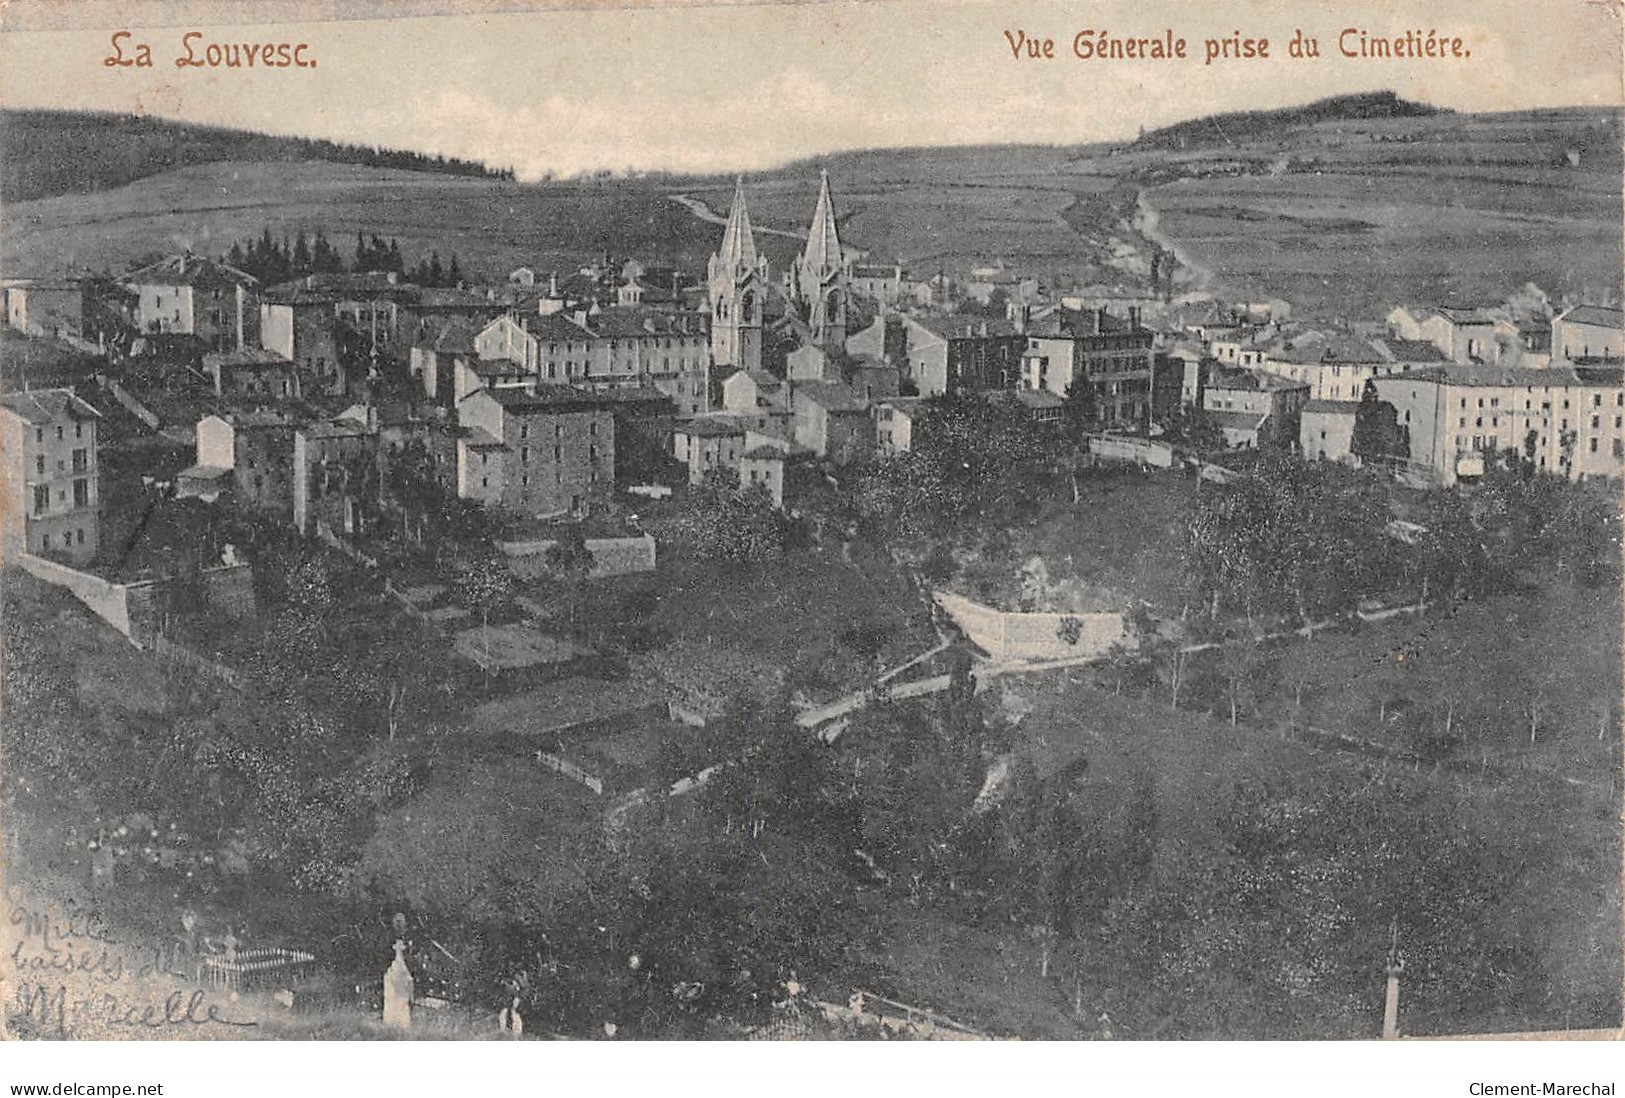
73,152
1340,207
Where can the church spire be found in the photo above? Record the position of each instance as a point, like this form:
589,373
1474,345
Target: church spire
823,253
738,252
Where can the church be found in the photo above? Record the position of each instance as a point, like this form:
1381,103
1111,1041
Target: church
737,282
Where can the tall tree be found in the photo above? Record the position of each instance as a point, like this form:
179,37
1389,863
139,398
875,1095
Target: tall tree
1378,433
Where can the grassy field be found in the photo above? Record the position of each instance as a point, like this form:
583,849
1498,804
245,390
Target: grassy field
1343,217
1462,209
1561,906
492,227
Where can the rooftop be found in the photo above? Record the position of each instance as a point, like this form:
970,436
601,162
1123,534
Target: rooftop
963,327
1409,350
546,397
47,405
1332,407
248,358
829,395
1482,374
1599,315
711,426
1253,380
189,270
1238,421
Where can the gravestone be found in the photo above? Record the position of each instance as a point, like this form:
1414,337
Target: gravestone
398,990
510,1022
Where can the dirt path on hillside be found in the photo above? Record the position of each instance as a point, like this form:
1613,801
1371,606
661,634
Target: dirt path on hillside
1148,223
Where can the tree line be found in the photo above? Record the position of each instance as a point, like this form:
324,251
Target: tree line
50,152
275,260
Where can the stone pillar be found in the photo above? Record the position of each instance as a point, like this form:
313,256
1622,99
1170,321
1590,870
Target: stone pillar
398,991
1390,1007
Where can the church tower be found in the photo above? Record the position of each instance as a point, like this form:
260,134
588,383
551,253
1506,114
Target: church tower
735,280
820,275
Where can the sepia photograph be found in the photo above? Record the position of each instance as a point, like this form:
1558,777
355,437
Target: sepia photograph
887,521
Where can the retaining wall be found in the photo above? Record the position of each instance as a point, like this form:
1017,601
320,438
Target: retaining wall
1020,637
610,556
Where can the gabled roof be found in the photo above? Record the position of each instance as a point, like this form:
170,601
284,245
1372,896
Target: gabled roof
963,327
189,270
1461,316
829,395
454,336
1253,380
1409,350
1319,347
1238,421
1599,315
545,397
40,406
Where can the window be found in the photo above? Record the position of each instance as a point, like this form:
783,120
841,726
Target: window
39,465
59,434
39,434
42,499
81,493
1596,400
79,535
79,428
81,460
485,482
524,454
45,541
1596,421
524,430
1593,446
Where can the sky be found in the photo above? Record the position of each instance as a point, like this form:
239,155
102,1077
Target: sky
712,88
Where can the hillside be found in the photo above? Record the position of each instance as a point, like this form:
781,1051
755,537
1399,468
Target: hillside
1234,126
1336,210
491,226
73,152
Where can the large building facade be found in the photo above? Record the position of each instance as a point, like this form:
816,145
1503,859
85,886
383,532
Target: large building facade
51,494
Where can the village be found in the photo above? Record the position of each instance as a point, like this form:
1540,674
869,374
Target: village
632,531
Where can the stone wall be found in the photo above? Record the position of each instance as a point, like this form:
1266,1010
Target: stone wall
610,556
1008,637
137,609
1111,448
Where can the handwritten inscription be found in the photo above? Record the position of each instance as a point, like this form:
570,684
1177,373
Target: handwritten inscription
72,978
197,52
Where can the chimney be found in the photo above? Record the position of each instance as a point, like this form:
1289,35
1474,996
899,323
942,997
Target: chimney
390,278
310,282
553,284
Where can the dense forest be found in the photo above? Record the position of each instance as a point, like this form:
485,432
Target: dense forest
64,152
1225,129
